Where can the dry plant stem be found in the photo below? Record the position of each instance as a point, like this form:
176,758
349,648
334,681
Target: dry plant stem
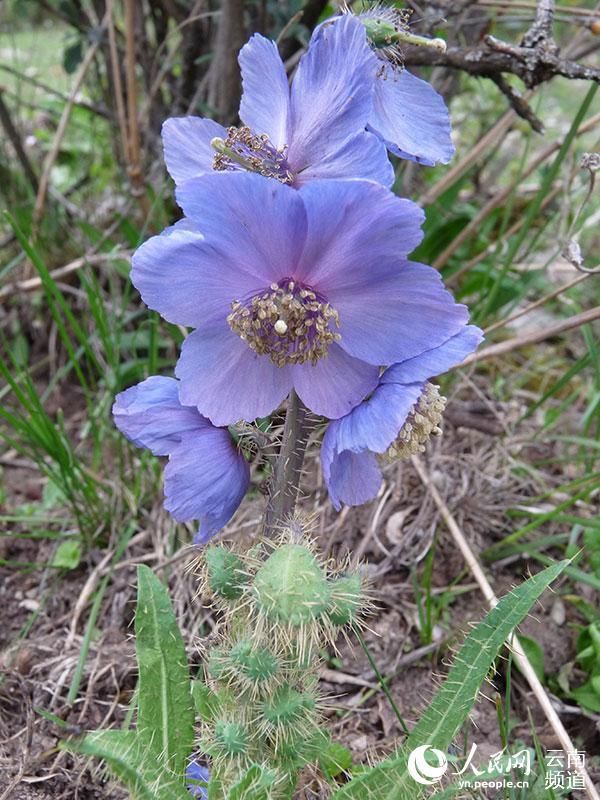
133,148
40,200
518,653
116,77
541,302
288,468
15,140
500,349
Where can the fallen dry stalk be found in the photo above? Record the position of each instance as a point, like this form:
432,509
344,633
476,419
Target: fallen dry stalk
517,649
500,349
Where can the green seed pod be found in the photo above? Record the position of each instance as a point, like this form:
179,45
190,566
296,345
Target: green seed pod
287,706
231,738
346,599
226,573
256,663
291,587
381,33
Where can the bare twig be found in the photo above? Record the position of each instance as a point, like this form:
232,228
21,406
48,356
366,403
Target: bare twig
31,284
500,349
517,649
15,140
134,149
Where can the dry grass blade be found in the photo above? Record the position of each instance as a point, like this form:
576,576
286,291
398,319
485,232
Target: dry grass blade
519,654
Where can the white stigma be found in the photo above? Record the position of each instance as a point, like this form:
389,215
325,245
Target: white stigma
280,327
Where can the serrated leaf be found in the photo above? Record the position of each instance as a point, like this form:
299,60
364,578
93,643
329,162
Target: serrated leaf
121,750
451,705
165,721
254,785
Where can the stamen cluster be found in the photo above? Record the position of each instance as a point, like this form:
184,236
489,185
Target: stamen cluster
289,323
242,149
422,422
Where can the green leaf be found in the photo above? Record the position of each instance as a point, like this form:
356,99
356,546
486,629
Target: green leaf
165,723
68,555
206,701
452,703
335,759
126,757
535,654
254,785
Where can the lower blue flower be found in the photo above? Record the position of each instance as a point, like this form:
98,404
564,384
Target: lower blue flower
207,476
199,775
402,407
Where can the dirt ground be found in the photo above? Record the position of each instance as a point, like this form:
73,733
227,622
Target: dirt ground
46,613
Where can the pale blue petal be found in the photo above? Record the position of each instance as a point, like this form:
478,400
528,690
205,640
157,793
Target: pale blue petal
266,95
186,144
411,117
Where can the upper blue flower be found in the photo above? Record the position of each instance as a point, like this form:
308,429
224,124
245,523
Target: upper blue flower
351,445
408,115
207,476
314,130
309,289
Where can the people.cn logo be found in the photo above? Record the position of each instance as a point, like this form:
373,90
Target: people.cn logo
421,771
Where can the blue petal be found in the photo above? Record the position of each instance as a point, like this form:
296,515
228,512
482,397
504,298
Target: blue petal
411,118
332,93
206,479
186,144
362,156
151,416
226,380
436,361
335,384
375,423
351,478
266,95
196,772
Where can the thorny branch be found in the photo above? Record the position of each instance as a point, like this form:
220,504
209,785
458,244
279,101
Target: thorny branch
535,60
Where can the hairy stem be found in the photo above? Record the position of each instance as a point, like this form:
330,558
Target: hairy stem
288,467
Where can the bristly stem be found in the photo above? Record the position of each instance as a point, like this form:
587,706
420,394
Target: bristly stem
288,467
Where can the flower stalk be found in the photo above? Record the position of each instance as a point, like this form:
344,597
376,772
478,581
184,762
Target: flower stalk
288,467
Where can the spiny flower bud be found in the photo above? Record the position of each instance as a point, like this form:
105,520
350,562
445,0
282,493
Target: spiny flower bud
422,422
291,587
231,738
226,572
346,599
287,706
256,663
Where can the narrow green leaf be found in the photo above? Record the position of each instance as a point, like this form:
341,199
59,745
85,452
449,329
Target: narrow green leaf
452,703
206,701
254,785
165,723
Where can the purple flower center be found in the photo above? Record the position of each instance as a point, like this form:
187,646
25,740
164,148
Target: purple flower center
244,150
289,322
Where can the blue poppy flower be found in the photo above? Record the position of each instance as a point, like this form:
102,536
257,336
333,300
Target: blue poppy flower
402,411
408,115
307,289
207,476
313,130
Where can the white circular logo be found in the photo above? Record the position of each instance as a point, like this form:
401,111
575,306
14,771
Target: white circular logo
423,772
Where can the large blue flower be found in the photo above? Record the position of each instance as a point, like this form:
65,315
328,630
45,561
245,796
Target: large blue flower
315,130
408,115
309,289
351,445
207,476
